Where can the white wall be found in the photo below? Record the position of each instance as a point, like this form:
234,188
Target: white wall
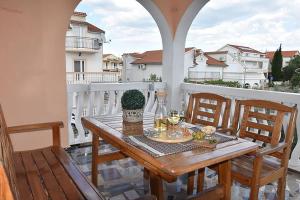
92,61
188,61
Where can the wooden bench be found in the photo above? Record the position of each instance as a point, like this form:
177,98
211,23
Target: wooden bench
47,173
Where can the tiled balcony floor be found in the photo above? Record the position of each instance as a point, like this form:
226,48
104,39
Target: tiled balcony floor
123,179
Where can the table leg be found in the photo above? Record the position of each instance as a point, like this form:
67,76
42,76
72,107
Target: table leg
95,146
156,186
190,183
225,178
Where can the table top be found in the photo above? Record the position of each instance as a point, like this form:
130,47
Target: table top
112,129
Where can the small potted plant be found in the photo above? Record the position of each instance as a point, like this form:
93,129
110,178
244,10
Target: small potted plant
133,102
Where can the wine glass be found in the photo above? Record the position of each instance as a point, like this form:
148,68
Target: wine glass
173,118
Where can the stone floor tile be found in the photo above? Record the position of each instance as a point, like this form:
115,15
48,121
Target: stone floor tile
131,194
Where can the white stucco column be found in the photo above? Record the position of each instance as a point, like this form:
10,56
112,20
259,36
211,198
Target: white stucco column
173,47
173,72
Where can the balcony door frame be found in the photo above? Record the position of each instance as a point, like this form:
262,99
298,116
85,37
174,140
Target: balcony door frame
78,70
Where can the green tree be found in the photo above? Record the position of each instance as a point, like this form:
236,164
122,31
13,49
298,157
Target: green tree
295,80
289,70
277,65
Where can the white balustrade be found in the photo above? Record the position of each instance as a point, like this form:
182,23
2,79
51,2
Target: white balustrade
92,77
239,93
102,99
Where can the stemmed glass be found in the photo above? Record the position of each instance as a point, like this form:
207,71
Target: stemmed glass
173,118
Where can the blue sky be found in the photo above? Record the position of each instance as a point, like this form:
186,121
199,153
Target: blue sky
260,24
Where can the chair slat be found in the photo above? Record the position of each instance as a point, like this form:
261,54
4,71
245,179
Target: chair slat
257,136
204,114
259,126
262,116
207,105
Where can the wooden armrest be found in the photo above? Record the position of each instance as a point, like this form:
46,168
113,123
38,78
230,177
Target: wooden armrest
55,126
270,149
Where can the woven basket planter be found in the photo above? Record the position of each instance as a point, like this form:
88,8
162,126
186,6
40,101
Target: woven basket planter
133,115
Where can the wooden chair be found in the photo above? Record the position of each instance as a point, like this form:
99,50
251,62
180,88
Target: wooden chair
270,162
206,109
47,173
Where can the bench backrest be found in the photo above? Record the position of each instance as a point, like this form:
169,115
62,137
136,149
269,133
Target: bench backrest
8,186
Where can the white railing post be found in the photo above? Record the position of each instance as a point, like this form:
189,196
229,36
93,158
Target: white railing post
78,115
91,104
71,137
294,162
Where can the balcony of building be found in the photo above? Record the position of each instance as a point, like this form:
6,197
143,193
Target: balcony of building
82,44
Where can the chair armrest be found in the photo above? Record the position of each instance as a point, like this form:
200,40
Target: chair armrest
54,126
270,149
226,130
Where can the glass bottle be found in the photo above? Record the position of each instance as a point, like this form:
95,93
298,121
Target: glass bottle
161,115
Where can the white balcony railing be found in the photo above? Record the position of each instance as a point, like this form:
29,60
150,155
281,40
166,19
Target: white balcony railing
250,75
101,99
104,98
92,77
238,93
204,76
76,42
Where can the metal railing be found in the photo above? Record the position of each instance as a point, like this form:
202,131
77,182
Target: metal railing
75,42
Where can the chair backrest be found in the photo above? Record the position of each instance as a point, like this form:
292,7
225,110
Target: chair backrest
262,120
7,161
206,109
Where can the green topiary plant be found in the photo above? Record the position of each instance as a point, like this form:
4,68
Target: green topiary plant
133,100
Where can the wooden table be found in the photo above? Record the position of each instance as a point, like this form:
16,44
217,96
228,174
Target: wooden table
111,129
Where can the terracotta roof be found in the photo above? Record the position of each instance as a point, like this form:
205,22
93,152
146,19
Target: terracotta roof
270,54
90,27
151,57
81,14
245,49
213,61
134,54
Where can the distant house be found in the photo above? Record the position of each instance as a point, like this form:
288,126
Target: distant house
286,57
112,63
231,63
140,66
84,45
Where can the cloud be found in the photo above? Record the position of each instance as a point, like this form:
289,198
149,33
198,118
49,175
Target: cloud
259,24
127,23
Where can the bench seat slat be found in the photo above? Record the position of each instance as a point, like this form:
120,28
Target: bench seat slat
63,178
87,188
33,177
51,184
22,182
